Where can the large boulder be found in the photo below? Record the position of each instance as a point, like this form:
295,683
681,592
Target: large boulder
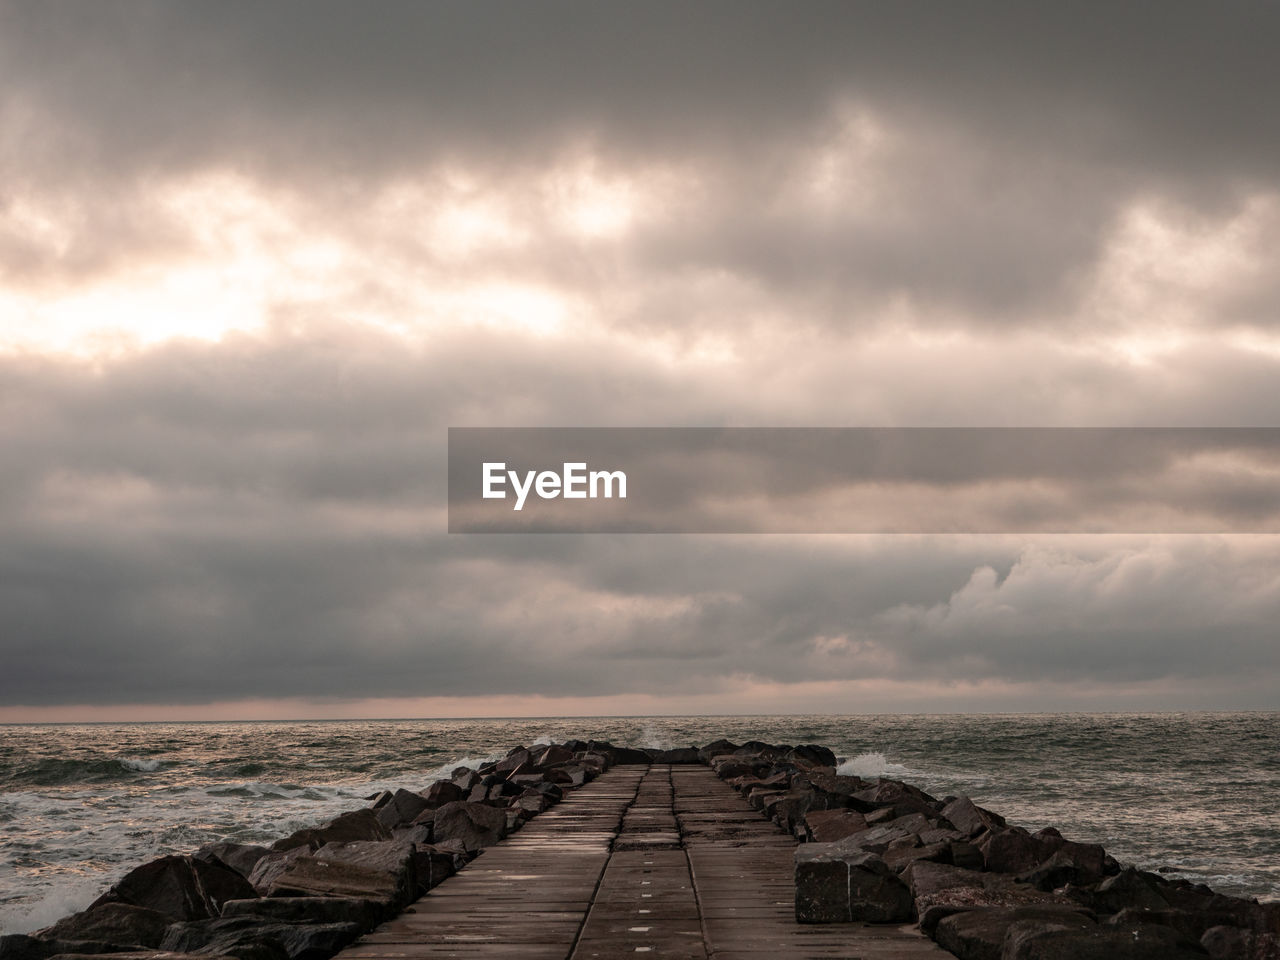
381,870
252,938
716,748
941,890
1013,850
837,886
23,946
1142,942
182,888
811,755
349,827
442,792
401,809
980,934
476,825
114,923
240,857
969,818
366,914
827,826
1233,943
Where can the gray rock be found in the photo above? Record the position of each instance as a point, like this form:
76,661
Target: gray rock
240,857
980,934
349,827
112,923
365,914
476,825
969,818
401,810
1143,942
835,886
253,938
182,888
381,870
1233,943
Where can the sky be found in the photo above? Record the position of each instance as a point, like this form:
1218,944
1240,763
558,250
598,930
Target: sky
255,259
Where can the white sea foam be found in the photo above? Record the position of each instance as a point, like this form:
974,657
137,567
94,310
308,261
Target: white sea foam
65,897
140,765
651,739
873,764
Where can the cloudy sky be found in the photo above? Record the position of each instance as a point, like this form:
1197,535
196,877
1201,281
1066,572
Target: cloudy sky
255,259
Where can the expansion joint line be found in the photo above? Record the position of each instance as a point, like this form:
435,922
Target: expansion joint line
595,891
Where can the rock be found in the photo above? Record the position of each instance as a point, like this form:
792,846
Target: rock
365,914
832,886
112,923
476,825
825,826
249,954
941,890
1059,870
1233,943
980,934
182,888
731,766
552,755
22,946
716,748
431,865
969,818
906,851
271,866
615,755
885,793
1143,942
240,857
965,854
265,938
1012,850
680,755
811,754
348,827
401,809
464,778
1129,888
381,870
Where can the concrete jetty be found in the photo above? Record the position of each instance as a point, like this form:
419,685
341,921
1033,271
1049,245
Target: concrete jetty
656,859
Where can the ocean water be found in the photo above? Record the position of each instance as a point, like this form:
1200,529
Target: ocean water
82,804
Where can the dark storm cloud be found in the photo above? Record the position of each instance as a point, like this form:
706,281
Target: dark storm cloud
180,529
1027,127
899,214
1169,86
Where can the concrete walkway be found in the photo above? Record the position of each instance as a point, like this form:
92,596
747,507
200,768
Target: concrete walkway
660,861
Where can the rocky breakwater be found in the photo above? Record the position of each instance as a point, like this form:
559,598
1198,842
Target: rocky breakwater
883,851
310,894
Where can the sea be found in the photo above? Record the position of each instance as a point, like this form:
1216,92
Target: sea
1196,795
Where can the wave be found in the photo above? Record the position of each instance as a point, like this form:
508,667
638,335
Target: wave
57,771
873,764
63,899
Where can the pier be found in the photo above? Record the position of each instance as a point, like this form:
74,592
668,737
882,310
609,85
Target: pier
658,860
